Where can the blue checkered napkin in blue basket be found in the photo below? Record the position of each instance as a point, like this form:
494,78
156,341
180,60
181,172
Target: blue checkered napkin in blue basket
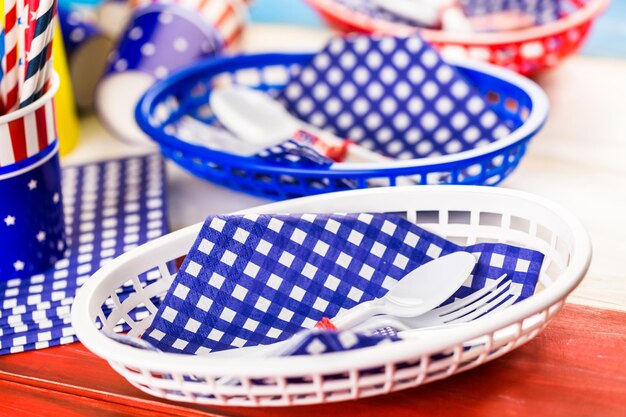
110,208
294,153
300,153
392,95
256,279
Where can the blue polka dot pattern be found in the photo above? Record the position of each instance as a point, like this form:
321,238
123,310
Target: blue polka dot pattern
393,95
76,27
163,38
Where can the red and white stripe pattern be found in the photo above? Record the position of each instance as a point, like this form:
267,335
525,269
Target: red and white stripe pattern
228,16
27,135
10,64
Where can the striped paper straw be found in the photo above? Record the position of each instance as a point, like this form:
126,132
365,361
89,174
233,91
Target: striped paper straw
38,64
22,16
31,18
10,65
2,107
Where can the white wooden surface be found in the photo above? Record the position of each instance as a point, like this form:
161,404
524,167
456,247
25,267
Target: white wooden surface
578,160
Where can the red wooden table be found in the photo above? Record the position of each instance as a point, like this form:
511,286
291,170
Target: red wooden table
575,368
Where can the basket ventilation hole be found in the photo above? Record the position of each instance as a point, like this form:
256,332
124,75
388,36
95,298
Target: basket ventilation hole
521,224
490,219
428,217
459,217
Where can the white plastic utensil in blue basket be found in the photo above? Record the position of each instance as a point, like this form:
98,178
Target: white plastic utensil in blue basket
465,123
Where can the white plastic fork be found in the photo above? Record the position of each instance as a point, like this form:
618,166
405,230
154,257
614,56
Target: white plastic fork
493,297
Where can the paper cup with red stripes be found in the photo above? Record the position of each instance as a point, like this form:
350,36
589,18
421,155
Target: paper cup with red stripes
32,231
161,38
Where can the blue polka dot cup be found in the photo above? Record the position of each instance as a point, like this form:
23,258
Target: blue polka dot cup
87,48
32,229
160,39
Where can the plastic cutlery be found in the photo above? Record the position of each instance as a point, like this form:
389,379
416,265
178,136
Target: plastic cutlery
196,132
415,294
493,297
256,118
421,290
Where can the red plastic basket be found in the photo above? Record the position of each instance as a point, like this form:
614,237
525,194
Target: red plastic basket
525,51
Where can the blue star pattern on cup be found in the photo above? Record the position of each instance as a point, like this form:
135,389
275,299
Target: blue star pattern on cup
31,213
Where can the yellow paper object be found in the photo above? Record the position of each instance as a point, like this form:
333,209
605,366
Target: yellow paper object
67,118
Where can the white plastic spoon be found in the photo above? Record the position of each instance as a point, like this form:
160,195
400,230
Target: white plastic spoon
255,117
196,132
419,291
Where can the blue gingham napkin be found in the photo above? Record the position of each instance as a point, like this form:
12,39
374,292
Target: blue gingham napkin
110,208
394,95
257,279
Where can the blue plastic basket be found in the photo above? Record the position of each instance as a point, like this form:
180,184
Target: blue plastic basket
518,101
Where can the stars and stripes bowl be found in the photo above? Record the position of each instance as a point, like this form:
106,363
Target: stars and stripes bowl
31,212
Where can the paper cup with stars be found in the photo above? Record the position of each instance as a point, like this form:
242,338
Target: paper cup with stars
32,231
160,39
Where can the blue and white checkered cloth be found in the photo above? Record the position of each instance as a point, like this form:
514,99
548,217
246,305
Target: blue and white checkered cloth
110,208
257,279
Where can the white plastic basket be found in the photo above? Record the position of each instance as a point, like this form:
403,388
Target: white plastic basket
463,214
